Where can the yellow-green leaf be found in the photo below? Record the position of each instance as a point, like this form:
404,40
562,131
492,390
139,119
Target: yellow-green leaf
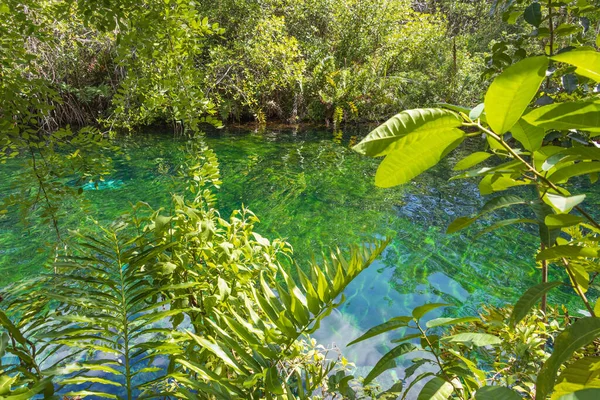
511,92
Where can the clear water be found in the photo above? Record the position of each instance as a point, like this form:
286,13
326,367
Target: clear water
308,187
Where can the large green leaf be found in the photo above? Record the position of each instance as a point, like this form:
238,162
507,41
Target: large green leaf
586,394
436,389
586,61
449,321
381,328
511,92
528,300
530,136
496,393
382,140
471,160
583,115
562,220
567,251
562,203
474,339
387,361
581,374
582,168
419,311
579,334
416,153
533,14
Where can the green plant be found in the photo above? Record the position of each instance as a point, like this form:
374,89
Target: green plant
176,303
416,140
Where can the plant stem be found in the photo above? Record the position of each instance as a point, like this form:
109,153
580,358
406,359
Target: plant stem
439,362
577,288
532,169
544,305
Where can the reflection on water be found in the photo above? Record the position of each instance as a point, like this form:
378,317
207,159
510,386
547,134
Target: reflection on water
308,187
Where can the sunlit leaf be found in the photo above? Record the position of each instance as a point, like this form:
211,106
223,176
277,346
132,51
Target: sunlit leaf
586,61
529,299
383,140
511,92
414,154
575,336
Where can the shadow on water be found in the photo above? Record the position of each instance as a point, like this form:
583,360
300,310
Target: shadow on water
308,187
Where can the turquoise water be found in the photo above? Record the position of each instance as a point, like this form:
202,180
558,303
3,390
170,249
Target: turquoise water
308,187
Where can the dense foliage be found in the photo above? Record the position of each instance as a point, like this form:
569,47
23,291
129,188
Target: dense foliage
543,145
180,302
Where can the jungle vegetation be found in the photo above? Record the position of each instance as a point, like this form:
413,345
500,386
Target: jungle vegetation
183,302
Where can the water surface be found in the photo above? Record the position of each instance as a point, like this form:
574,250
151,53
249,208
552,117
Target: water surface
308,187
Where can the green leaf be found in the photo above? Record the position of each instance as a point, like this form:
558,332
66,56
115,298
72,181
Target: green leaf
586,394
583,115
272,383
533,14
564,204
449,321
501,202
475,339
14,332
415,153
511,92
582,168
586,61
436,389
496,393
567,251
503,223
476,111
581,374
460,223
575,336
562,220
531,137
387,361
379,329
382,140
529,299
471,160
419,311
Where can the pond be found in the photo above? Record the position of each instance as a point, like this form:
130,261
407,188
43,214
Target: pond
307,186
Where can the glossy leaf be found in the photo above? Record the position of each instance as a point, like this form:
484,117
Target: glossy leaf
379,329
533,14
575,336
586,61
565,173
420,311
496,393
475,339
415,153
436,389
564,204
449,321
586,394
460,223
387,361
471,160
562,220
567,251
582,115
511,92
383,140
531,137
581,374
529,299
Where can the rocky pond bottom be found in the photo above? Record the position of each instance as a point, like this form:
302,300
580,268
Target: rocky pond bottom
310,188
